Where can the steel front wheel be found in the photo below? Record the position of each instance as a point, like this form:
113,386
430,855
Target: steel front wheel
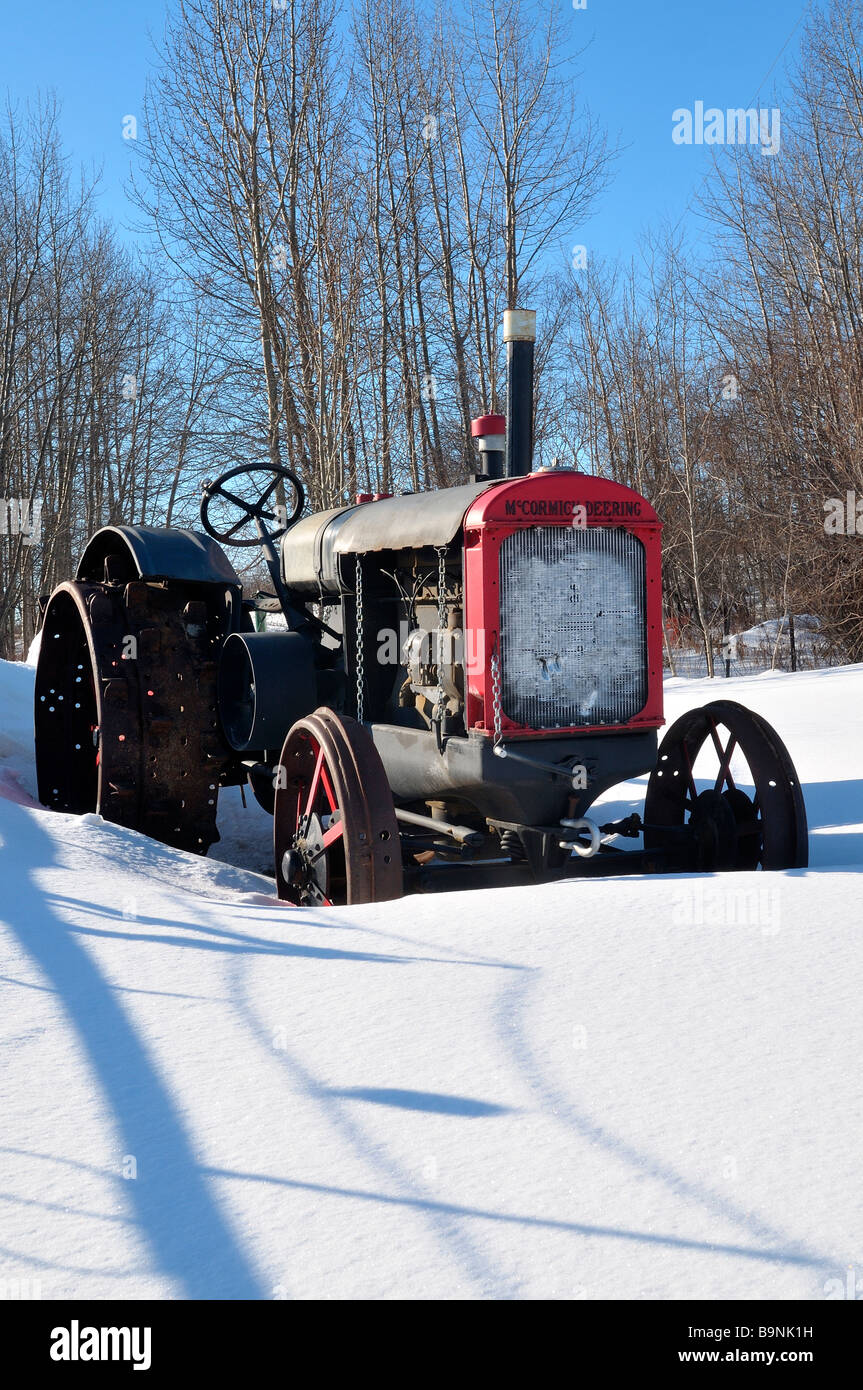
335,835
724,774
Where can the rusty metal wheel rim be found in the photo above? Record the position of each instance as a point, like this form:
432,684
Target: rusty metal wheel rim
335,835
771,827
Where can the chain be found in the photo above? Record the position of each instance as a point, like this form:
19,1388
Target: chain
442,618
360,641
496,698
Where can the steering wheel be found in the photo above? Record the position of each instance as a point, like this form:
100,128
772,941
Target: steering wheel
256,513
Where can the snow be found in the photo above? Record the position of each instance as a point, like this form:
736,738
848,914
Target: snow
763,647
630,1088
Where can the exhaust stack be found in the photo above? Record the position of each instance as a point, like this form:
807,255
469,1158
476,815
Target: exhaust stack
519,334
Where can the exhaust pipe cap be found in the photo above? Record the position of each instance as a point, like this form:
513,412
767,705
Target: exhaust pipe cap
519,325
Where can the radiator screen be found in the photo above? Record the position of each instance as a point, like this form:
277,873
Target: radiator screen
573,644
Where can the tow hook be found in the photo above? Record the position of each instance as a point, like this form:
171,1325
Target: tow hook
582,826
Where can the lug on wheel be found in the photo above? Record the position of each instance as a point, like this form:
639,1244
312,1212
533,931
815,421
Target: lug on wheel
750,812
335,834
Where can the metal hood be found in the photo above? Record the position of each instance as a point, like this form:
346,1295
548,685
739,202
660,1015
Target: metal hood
404,523
312,550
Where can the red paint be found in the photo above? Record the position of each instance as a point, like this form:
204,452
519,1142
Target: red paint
551,499
487,424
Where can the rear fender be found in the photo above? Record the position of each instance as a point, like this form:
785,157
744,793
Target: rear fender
155,552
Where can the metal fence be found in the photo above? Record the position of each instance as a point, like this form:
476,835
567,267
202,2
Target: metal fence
749,653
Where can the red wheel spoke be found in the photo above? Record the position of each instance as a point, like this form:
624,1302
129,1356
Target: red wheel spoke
330,836
315,782
692,786
717,742
335,832
319,896
724,755
328,788
725,763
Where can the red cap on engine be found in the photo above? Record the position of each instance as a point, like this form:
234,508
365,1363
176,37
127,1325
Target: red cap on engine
488,424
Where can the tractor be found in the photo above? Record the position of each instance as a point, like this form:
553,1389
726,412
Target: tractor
445,684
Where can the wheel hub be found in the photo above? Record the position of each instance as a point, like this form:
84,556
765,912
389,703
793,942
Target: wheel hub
304,865
714,827
749,843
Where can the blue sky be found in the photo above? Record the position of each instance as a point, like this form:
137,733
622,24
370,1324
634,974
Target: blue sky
645,58
650,57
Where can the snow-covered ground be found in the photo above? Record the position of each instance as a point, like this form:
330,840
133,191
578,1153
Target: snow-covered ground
639,1088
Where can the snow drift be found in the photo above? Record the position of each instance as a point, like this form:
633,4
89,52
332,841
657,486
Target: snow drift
631,1088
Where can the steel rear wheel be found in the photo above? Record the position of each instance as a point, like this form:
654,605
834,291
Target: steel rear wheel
335,835
749,815
125,710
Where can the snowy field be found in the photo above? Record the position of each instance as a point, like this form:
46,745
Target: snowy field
642,1088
